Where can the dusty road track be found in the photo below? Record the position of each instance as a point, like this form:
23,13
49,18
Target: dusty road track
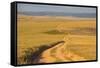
59,53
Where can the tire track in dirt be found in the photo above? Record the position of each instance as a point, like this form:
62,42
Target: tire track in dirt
55,54
68,53
60,53
47,56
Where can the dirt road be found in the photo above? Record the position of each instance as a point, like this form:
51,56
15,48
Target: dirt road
59,53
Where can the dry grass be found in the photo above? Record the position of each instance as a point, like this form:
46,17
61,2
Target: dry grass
36,31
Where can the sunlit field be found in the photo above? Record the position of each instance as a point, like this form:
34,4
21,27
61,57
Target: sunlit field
50,39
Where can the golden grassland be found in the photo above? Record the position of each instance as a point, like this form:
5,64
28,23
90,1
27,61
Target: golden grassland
79,35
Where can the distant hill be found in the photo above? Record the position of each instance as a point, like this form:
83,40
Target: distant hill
87,15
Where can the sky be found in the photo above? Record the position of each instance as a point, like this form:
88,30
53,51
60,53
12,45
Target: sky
52,8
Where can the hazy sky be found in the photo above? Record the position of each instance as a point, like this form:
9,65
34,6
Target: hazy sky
52,8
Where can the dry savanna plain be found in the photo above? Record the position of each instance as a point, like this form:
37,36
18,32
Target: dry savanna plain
53,39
